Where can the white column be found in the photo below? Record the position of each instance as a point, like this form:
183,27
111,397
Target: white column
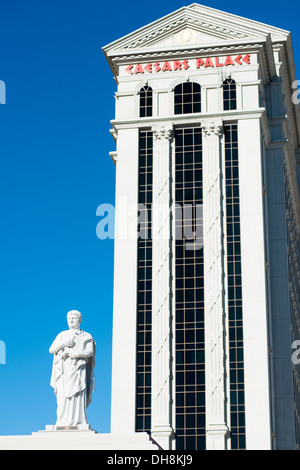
161,417
125,285
216,428
255,329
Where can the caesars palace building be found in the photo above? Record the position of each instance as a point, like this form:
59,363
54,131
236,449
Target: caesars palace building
206,295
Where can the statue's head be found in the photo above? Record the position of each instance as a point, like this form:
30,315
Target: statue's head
74,318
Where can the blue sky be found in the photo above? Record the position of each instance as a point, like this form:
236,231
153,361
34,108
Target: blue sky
55,172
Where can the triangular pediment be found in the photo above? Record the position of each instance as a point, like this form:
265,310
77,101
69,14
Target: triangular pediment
195,24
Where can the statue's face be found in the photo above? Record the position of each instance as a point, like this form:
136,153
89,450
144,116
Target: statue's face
73,320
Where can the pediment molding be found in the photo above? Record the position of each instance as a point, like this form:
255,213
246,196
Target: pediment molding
211,23
205,27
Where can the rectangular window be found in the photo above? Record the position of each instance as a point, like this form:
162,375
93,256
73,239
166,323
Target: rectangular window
189,293
187,98
144,287
294,294
146,99
234,281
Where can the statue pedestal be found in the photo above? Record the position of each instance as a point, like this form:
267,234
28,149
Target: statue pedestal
78,440
79,427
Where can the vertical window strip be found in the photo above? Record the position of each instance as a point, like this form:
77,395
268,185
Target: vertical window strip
144,288
189,295
294,294
146,101
235,314
229,94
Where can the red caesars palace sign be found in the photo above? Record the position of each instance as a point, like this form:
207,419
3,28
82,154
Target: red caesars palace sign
172,66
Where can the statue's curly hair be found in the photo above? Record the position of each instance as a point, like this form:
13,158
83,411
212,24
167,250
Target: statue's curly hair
77,313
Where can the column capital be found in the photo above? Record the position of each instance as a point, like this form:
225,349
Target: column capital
211,128
163,131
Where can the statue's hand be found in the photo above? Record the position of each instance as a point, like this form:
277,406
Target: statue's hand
69,343
72,355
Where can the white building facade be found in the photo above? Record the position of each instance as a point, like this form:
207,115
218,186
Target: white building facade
206,293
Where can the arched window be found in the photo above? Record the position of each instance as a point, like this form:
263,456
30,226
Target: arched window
187,98
146,101
229,94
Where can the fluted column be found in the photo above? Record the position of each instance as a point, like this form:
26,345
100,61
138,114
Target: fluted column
161,418
216,428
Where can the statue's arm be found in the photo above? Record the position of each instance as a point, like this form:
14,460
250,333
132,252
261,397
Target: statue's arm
87,352
57,345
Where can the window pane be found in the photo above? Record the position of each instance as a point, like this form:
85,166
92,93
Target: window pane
229,94
189,285
187,98
146,101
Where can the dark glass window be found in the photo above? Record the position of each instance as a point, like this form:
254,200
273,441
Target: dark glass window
229,94
187,98
189,294
144,290
234,280
293,273
146,101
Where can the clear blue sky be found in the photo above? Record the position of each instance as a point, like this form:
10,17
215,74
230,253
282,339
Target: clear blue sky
54,172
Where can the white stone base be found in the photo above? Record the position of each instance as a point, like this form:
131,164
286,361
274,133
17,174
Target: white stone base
78,440
78,427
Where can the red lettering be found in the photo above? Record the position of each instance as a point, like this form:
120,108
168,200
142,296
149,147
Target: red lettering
208,63
185,65
228,61
129,69
166,66
246,59
199,62
138,69
177,65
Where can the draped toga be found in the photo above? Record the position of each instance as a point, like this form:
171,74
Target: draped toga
73,379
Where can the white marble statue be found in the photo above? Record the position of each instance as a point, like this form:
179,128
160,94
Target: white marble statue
73,372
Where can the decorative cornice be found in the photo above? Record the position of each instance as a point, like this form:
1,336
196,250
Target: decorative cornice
114,156
119,56
186,119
